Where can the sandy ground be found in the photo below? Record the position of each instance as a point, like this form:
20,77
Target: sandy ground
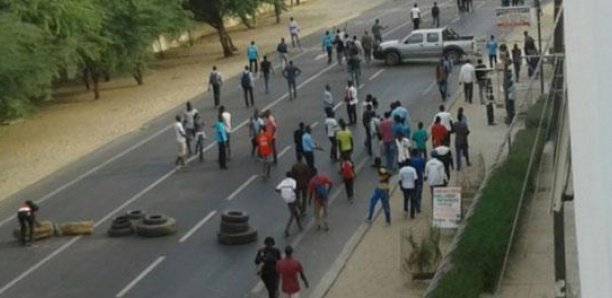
75,125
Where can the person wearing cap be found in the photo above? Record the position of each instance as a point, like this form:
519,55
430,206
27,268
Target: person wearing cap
381,193
26,214
266,260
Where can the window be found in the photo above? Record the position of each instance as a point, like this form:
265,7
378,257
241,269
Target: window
414,39
432,37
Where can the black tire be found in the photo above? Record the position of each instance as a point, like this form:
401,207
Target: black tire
234,216
120,232
135,214
453,55
392,58
154,219
159,230
121,222
234,228
249,236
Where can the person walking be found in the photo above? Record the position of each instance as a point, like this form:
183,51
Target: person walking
435,14
331,129
189,125
418,163
215,80
282,50
308,146
26,215
340,50
434,174
288,270
328,46
367,43
290,73
415,14
366,120
301,173
377,144
444,154
347,171
420,138
272,128
200,136
319,189
442,79
266,68
402,144
481,78
255,125
377,29
407,181
447,120
531,51
247,84
181,139
351,100
461,141
294,31
264,148
266,259
492,51
328,99
345,140
297,140
467,77
287,188
438,133
221,138
381,193
227,121
517,60
386,132
253,56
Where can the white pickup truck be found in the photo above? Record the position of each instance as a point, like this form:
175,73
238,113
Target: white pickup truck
426,44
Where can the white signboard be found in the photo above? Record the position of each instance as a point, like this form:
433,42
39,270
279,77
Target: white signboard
515,16
447,207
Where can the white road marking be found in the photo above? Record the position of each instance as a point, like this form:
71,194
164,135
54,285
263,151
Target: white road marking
338,105
320,56
426,91
314,124
197,226
361,86
284,151
140,276
241,187
376,74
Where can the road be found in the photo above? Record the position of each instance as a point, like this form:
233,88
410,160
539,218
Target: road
136,172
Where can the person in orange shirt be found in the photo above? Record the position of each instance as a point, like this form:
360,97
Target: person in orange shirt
438,133
264,145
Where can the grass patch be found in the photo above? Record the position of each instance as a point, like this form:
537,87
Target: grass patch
478,259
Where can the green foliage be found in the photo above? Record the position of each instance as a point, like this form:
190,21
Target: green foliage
478,258
425,256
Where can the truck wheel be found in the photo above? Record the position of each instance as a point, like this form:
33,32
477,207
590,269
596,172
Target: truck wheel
392,58
454,56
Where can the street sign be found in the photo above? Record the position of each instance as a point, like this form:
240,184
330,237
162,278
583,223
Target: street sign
515,16
447,207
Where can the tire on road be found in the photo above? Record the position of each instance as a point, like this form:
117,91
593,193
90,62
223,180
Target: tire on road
392,58
157,230
121,222
135,214
234,228
120,232
237,239
234,216
154,219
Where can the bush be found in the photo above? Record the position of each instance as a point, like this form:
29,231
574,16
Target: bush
478,259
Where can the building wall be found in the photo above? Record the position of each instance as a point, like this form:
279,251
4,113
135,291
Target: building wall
589,60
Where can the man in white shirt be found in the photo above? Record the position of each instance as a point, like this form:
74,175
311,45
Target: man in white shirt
287,188
467,77
227,122
189,125
328,98
415,13
181,140
294,30
407,180
351,100
434,174
447,120
403,149
331,127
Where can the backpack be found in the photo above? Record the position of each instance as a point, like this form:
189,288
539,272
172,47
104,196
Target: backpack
353,49
215,79
322,191
346,170
245,79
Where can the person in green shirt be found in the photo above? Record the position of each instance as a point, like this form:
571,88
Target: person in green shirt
344,137
420,137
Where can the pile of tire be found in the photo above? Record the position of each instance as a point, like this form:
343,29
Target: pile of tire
145,225
121,227
235,229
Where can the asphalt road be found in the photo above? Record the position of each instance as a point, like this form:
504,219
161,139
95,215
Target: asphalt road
136,172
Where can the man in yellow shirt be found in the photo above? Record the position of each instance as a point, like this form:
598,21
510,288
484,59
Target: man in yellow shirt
344,137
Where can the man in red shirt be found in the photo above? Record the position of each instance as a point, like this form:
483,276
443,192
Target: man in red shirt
288,270
320,187
264,147
438,133
270,124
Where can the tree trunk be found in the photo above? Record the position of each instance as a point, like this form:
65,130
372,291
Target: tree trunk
161,49
297,2
86,78
95,78
190,35
137,74
278,10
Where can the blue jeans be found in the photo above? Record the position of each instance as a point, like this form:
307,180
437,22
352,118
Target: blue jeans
383,196
410,199
390,155
462,151
443,87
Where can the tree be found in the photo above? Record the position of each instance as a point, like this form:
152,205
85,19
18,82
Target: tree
279,7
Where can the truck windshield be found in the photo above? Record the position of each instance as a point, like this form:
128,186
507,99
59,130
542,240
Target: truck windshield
450,34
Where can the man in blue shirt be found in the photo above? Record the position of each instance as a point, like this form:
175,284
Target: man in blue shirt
328,45
418,163
221,138
492,51
253,55
308,146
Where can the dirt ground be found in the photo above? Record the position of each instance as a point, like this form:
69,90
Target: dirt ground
75,125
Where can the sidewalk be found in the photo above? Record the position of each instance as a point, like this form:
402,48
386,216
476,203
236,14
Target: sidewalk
74,125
